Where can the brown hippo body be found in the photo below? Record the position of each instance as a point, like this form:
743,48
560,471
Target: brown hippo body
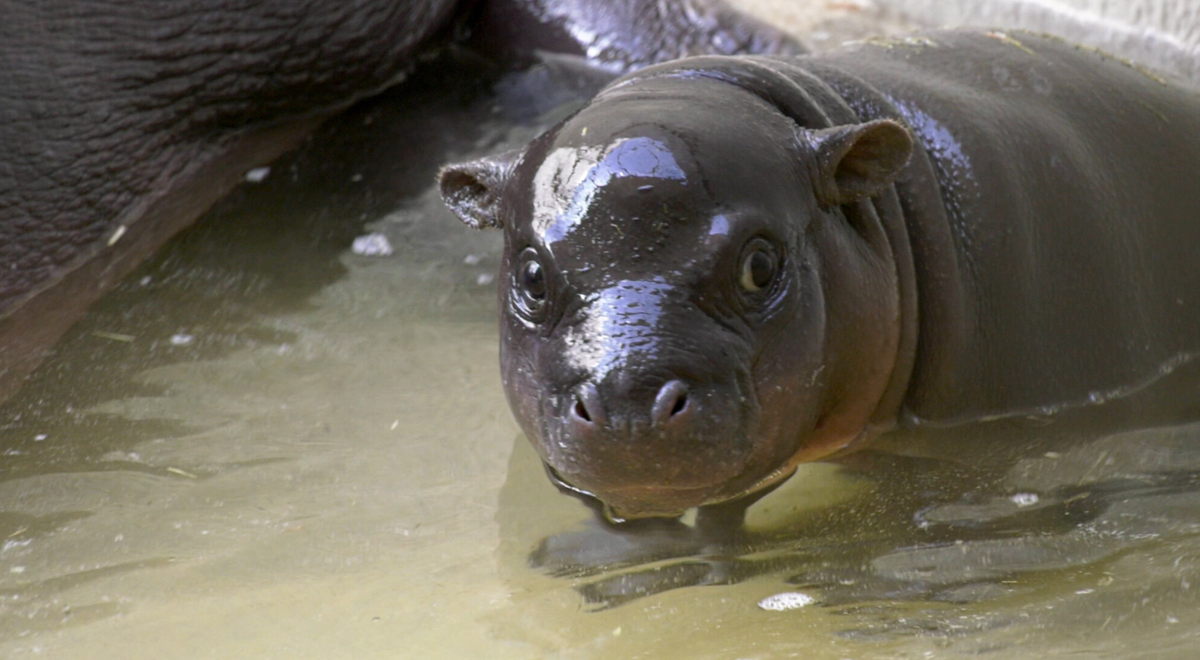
725,266
1060,269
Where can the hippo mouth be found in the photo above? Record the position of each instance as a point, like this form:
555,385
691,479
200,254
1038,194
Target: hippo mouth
634,502
631,502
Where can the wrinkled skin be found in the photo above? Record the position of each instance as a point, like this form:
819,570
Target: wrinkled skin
121,122
725,266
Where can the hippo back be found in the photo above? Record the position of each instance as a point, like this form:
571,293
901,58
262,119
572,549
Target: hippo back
1052,217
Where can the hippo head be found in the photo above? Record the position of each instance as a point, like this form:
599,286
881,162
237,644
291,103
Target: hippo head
666,331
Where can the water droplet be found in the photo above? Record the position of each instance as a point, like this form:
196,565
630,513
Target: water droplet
788,600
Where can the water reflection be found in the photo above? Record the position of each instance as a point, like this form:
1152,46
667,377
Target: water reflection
900,550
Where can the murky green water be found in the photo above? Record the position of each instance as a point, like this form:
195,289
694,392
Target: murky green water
266,446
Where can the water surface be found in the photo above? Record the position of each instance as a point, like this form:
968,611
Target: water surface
264,445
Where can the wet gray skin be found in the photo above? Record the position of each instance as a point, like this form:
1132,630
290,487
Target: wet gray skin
723,267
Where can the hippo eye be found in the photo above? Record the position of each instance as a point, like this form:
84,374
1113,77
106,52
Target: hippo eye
759,265
531,286
533,281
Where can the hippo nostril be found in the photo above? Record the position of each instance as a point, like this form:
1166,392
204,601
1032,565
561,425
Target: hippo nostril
680,403
672,400
581,411
588,408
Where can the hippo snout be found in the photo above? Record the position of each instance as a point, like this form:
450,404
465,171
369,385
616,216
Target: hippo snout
651,449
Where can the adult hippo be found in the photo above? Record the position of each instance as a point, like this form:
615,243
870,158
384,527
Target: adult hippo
120,122
725,266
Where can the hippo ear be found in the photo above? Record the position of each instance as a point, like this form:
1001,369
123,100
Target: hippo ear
858,160
472,189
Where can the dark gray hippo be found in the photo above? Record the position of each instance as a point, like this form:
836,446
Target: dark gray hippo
725,266
120,122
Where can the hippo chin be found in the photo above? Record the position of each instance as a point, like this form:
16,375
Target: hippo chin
725,266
